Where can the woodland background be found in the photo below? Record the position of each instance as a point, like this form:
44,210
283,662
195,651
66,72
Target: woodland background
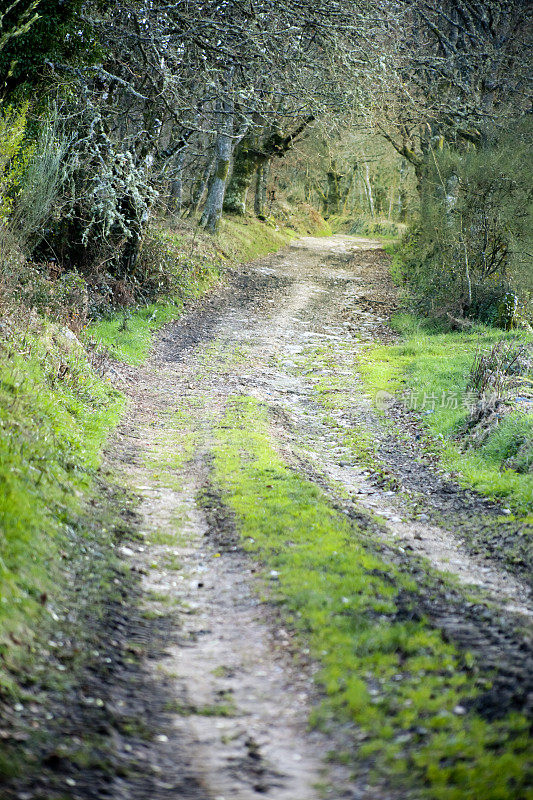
123,121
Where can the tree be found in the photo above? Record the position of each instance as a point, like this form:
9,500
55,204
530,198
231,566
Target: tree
255,151
34,33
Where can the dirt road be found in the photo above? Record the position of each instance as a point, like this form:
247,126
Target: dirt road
238,692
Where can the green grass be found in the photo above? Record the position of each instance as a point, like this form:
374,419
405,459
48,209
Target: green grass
430,369
395,680
51,432
246,238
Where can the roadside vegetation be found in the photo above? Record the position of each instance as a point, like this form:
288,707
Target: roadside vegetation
55,414
482,425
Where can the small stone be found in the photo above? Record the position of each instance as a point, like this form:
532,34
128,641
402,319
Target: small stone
459,710
161,738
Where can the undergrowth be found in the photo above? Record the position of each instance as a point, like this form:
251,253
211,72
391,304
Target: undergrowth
390,675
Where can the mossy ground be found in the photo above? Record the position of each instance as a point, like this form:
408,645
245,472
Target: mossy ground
431,369
402,686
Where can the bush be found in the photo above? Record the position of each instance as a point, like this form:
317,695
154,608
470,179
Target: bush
40,194
470,248
13,157
103,211
163,268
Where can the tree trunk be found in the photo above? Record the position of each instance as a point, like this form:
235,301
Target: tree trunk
333,198
175,197
215,197
201,186
261,190
402,209
254,151
368,187
246,161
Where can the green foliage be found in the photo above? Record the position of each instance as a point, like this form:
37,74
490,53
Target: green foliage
54,416
170,266
471,248
14,155
33,33
39,198
393,677
105,205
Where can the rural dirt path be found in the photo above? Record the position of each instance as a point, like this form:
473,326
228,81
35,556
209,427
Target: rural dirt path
286,331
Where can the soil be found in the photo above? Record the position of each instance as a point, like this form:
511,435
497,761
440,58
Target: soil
224,689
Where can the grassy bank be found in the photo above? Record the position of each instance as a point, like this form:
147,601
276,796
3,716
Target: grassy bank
55,414
401,691
382,229
246,238
428,371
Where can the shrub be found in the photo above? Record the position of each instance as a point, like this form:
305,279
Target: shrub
470,248
13,157
39,197
163,268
